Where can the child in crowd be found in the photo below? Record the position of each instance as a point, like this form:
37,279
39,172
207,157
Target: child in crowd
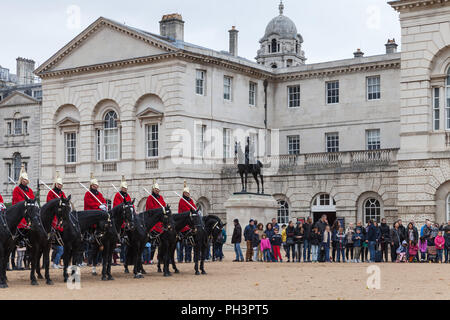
326,243
147,253
413,249
315,242
340,244
255,244
401,252
283,238
423,249
439,241
276,245
265,248
358,239
21,248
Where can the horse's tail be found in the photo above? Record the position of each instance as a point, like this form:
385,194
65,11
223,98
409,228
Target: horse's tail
260,164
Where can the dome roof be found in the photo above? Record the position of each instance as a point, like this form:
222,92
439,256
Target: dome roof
281,26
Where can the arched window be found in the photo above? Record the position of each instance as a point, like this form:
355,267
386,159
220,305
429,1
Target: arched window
323,203
447,103
283,212
17,164
372,210
111,136
274,45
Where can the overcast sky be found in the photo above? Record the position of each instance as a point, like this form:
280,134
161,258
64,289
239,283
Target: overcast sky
331,29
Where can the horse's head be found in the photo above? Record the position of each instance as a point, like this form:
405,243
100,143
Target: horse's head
32,210
64,208
167,218
216,227
128,212
195,219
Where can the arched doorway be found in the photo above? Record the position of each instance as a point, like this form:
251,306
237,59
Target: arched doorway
324,204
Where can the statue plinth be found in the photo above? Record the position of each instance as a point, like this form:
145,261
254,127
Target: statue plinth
246,206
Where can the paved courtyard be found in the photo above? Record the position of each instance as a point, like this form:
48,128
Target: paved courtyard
229,280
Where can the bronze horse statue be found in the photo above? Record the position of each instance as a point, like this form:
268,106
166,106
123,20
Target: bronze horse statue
245,167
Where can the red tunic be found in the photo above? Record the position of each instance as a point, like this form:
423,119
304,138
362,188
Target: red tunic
90,203
152,204
50,196
19,196
118,199
184,207
1,199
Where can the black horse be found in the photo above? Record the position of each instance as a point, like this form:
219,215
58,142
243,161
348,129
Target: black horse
9,220
138,236
255,170
110,235
206,228
75,224
168,243
40,237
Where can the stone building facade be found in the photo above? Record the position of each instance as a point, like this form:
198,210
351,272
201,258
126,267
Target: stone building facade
336,138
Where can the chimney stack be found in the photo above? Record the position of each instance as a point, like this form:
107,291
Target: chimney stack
233,41
25,68
391,46
172,26
358,53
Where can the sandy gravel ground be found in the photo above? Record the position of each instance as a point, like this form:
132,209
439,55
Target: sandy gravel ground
231,280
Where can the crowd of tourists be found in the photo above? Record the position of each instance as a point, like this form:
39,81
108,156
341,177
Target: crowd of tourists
305,241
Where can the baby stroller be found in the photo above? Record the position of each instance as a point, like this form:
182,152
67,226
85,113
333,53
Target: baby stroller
431,254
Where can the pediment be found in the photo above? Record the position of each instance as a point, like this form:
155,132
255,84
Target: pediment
149,113
68,121
18,98
103,42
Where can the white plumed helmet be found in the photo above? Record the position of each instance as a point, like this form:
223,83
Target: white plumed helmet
124,184
94,181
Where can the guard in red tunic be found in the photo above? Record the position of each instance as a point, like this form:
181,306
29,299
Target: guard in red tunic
153,204
90,202
21,193
122,195
57,190
183,205
2,204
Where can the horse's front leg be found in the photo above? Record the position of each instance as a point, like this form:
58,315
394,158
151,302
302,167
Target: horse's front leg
104,260
65,257
34,263
262,183
3,258
172,248
202,259
138,261
196,257
46,253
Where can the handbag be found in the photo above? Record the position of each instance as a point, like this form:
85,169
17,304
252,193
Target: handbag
289,241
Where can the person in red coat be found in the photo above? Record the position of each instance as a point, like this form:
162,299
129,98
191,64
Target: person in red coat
57,193
122,195
90,202
2,204
153,204
183,205
21,193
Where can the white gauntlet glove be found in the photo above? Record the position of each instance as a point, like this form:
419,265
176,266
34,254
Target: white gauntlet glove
103,207
2,207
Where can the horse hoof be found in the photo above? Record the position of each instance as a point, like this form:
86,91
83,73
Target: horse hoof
159,270
49,282
138,276
65,280
177,271
166,275
34,283
143,271
197,273
104,278
110,278
40,276
203,272
3,286
126,271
